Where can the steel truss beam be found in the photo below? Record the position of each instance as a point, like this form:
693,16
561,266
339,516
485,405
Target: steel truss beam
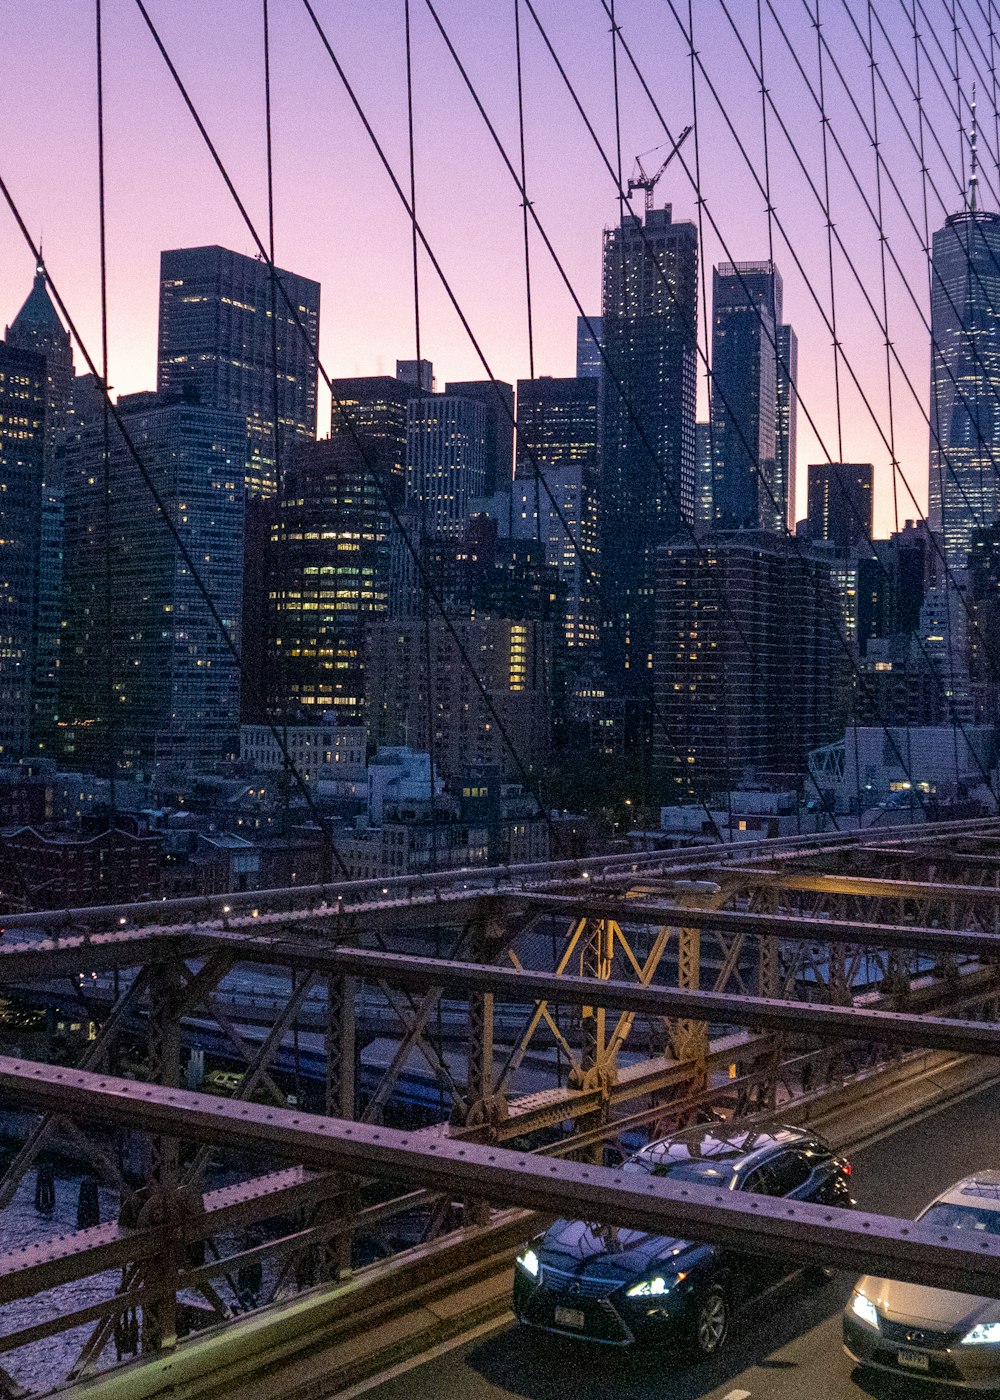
809,1233
787,926
794,1017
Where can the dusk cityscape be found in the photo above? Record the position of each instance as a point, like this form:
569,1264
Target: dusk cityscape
489,497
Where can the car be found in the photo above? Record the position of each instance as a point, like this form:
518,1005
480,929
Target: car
931,1333
625,1287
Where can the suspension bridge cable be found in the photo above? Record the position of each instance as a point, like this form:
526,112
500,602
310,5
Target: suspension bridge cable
111,650
829,233
880,211
429,736
707,323
524,183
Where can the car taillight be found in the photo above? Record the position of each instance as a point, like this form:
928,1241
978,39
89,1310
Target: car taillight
845,1168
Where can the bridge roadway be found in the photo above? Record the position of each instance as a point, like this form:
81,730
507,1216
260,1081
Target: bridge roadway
787,1347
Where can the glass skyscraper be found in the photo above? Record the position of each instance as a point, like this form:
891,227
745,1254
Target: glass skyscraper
23,395
37,327
589,364
174,683
965,380
650,325
746,311
558,429
221,338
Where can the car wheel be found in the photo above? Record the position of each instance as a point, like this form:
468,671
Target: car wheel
711,1322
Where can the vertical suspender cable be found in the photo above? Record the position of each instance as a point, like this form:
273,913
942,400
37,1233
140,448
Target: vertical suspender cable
882,264
427,658
112,719
524,187
703,269
276,444
829,232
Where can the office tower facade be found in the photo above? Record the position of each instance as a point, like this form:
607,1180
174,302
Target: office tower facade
445,462
965,380
37,328
173,682
749,672
419,373
373,410
230,335
23,399
589,340
650,325
704,480
558,444
497,399
328,579
841,504
442,707
746,310
786,427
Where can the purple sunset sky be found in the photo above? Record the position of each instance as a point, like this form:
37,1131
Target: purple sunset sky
338,219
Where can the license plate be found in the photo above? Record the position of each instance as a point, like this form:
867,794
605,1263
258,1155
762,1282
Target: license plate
569,1317
916,1360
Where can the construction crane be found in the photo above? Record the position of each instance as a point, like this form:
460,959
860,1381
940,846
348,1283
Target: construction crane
648,182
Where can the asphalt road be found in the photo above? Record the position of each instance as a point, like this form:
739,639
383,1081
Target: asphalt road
787,1347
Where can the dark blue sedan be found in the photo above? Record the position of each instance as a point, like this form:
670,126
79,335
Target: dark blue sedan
619,1286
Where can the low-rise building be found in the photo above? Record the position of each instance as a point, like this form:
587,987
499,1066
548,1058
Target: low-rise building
327,751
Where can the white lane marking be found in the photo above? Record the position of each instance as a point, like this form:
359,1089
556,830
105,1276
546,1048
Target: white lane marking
737,1395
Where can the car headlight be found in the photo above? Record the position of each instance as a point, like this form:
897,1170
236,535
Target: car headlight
985,1332
654,1287
865,1309
529,1262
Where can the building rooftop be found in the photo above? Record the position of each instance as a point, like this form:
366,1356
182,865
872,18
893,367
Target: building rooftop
38,313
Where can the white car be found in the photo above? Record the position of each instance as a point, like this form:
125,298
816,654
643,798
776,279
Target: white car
929,1333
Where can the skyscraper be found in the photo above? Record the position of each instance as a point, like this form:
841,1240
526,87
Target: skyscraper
588,342
746,310
228,333
174,682
558,431
445,462
23,395
965,379
748,663
497,400
419,373
373,410
513,664
786,427
37,327
840,504
704,480
650,323
328,577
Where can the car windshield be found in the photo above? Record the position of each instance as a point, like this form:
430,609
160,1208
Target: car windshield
948,1216
682,1169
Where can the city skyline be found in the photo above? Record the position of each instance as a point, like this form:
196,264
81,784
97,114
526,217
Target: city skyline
573,194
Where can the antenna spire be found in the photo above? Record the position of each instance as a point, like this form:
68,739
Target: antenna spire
974,155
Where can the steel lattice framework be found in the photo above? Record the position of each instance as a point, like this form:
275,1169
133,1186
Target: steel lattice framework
575,1003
